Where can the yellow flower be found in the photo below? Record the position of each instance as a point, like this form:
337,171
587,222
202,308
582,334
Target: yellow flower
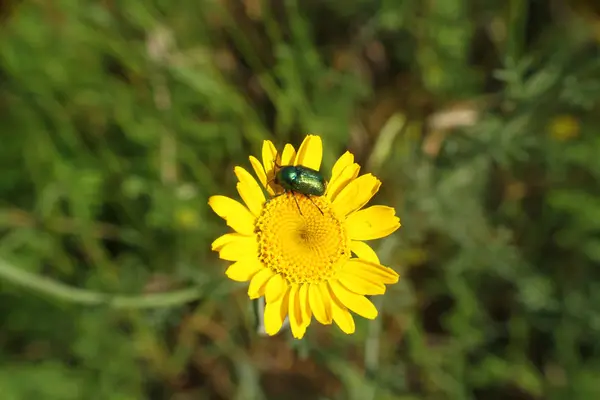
302,262
564,127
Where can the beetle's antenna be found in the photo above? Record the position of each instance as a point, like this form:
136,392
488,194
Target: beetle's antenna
315,204
274,173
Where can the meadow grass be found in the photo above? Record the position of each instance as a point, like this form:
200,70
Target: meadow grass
120,119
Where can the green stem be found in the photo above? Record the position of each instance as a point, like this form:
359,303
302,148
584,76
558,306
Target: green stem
71,294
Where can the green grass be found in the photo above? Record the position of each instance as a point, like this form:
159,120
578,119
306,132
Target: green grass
120,119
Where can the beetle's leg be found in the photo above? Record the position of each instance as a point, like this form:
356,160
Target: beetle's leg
298,205
315,204
284,191
269,182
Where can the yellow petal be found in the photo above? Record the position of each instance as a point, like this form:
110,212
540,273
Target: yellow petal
310,152
258,283
371,271
356,194
250,198
372,223
249,191
364,251
355,302
360,285
237,215
304,305
275,289
342,316
269,156
296,323
221,241
243,270
288,155
342,180
259,170
345,160
275,314
241,248
318,304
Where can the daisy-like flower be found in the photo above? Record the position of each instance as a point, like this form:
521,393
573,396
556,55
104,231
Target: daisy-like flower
307,256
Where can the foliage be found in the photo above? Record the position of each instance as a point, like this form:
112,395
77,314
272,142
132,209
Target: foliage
121,118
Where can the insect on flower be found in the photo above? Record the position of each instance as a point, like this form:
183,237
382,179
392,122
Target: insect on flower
312,263
300,179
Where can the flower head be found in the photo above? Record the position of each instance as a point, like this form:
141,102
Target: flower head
306,254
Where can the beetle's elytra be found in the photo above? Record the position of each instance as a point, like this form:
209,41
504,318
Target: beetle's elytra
301,179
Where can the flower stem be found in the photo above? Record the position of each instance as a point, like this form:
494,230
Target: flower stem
58,290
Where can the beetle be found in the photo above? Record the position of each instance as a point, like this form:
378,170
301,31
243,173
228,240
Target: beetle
300,179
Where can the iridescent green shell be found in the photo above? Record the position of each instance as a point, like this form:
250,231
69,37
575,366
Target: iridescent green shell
301,180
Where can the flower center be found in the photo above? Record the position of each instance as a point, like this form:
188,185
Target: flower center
298,242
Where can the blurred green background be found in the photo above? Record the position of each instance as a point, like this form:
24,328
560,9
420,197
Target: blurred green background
121,118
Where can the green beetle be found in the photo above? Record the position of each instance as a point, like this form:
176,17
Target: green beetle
300,179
